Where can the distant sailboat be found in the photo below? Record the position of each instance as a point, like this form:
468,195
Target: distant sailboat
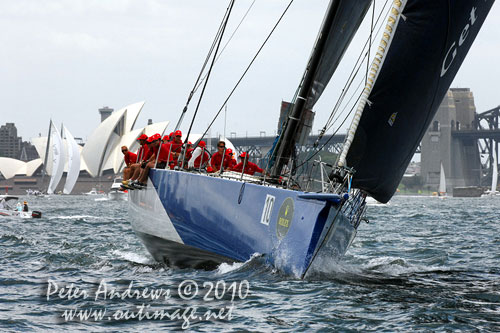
442,182
73,162
494,180
57,158
494,177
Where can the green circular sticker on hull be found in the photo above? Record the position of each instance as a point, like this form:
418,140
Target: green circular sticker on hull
285,217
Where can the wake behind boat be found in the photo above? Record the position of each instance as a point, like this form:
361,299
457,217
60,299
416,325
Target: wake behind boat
198,219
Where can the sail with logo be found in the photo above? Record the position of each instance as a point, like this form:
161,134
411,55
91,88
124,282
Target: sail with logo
407,85
191,218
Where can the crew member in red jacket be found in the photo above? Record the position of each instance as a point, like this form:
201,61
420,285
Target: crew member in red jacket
216,160
143,154
199,156
187,155
176,148
130,158
231,160
250,168
160,158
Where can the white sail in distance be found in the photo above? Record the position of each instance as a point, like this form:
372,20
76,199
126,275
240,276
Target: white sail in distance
494,177
73,162
442,181
57,159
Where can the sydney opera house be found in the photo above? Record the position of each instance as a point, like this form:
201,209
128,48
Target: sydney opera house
97,161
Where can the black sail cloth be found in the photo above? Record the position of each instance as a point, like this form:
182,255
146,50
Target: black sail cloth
429,45
348,17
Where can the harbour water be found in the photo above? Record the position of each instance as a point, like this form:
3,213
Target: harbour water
422,264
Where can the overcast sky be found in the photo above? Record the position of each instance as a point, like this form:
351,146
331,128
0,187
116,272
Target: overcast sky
64,59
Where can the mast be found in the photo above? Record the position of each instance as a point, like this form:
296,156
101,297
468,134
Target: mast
286,145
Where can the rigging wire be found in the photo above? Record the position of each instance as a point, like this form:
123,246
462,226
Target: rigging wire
207,58
353,74
247,69
370,44
229,40
330,122
231,4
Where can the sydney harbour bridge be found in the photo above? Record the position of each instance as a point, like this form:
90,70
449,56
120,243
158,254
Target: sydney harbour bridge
483,134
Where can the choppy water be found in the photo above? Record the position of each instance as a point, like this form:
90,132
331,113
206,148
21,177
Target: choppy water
421,264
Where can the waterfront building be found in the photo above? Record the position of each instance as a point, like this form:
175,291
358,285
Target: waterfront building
10,143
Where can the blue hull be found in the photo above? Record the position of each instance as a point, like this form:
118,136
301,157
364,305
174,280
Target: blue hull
193,220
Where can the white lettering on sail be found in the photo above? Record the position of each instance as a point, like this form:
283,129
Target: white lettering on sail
452,51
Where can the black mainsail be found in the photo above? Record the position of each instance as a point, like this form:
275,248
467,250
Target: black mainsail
429,44
341,22
349,16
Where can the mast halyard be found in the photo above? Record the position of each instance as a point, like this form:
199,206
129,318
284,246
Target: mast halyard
286,145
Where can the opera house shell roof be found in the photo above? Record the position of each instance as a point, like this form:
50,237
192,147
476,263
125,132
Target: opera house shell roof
102,150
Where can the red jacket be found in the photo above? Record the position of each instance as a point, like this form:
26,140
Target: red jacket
250,168
130,158
197,161
144,153
164,155
231,164
176,147
216,161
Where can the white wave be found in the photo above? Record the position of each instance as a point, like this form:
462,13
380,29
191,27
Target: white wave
225,267
395,266
101,199
71,217
134,257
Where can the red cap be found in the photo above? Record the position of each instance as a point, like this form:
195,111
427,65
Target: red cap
202,144
178,133
190,143
210,169
166,138
243,155
229,151
171,135
154,137
143,137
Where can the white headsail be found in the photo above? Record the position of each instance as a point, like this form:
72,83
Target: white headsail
494,177
73,162
442,181
57,159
